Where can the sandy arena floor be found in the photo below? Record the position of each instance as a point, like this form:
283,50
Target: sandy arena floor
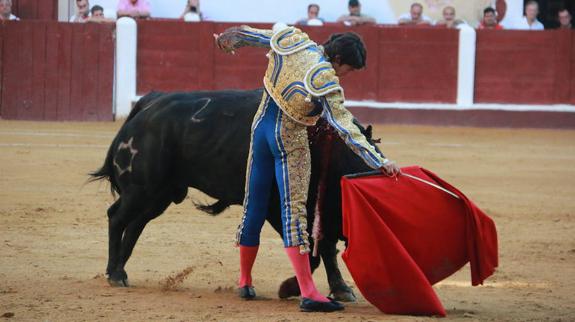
53,233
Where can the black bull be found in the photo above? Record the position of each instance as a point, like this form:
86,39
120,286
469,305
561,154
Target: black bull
174,141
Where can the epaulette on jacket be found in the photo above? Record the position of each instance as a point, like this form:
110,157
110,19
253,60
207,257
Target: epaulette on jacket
290,40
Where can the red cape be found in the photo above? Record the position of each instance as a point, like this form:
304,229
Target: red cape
405,235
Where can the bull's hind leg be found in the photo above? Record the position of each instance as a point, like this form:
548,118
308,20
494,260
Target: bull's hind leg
129,205
113,244
148,209
134,229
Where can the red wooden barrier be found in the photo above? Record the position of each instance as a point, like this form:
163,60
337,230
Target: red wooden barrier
572,68
523,67
36,9
403,64
57,71
174,56
418,65
1,64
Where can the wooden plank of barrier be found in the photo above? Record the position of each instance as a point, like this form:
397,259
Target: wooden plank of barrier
562,59
51,72
89,76
38,75
1,64
9,72
572,55
206,75
105,73
24,108
65,31
77,100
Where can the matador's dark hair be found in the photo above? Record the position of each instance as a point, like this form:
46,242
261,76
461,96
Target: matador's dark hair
349,47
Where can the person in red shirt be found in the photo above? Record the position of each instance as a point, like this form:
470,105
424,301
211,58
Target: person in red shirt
489,20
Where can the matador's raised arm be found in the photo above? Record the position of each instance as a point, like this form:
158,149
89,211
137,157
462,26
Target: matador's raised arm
242,36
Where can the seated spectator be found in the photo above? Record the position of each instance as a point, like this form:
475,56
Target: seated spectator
489,20
449,20
6,11
415,16
355,17
97,15
82,11
313,18
529,21
564,17
192,11
137,9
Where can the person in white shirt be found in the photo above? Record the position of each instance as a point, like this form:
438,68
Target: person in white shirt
82,11
313,18
529,21
6,10
192,12
449,19
415,16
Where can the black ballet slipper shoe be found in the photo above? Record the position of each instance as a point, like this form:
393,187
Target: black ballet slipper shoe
309,305
247,292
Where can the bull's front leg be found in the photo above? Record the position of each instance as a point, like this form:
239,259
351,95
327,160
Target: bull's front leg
338,288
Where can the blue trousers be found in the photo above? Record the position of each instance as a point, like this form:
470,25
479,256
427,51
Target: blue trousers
278,148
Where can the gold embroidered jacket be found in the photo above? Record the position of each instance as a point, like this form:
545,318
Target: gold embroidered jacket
303,83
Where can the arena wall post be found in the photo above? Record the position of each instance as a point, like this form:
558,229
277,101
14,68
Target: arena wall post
125,67
466,66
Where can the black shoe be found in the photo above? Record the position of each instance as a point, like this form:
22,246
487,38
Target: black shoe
247,292
308,305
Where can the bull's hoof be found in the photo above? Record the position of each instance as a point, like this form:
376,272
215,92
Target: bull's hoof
120,283
289,288
344,295
118,279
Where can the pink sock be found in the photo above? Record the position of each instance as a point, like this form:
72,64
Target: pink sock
247,258
302,270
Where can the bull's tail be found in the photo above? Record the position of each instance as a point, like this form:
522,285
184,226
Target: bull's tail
107,170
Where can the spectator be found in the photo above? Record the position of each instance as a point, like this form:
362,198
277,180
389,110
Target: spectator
449,20
489,20
97,14
6,11
313,18
82,11
415,16
134,8
529,21
192,11
564,17
355,17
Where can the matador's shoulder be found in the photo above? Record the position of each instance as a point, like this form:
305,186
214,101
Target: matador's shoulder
289,41
321,80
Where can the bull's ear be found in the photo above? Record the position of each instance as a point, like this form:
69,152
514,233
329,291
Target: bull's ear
369,132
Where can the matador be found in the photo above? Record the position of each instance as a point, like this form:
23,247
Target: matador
301,85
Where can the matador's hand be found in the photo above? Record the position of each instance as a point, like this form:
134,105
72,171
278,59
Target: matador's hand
390,169
227,40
